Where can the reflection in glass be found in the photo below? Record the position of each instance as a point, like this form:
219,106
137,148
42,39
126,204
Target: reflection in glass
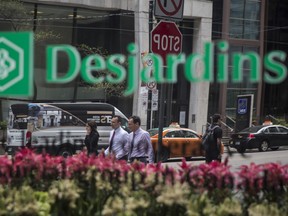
242,88
244,19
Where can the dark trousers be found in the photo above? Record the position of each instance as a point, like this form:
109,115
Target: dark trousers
125,157
210,157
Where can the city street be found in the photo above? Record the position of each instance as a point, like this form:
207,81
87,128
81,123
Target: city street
236,160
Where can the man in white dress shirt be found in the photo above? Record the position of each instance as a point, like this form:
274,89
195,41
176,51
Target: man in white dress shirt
118,141
140,146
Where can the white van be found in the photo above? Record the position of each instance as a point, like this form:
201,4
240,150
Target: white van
59,128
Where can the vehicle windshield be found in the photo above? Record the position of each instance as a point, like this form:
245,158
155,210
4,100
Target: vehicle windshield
35,117
154,131
252,129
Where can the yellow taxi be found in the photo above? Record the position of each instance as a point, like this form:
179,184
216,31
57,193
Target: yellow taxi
177,142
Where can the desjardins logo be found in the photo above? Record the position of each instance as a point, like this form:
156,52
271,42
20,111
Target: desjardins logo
16,60
16,64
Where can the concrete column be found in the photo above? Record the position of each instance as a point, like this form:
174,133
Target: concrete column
142,41
199,92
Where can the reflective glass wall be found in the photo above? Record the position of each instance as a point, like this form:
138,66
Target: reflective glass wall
240,23
276,38
89,30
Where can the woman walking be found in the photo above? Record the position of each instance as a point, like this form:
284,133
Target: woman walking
92,138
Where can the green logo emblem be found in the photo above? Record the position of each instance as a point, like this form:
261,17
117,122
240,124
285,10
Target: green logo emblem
16,64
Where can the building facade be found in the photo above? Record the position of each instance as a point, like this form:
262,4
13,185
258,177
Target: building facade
107,27
250,25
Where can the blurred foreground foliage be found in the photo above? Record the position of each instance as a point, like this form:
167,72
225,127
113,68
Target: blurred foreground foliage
39,184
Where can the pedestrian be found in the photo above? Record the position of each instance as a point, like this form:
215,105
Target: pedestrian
118,141
267,120
213,151
140,146
91,138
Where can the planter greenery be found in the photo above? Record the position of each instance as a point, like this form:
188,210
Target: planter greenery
39,184
3,125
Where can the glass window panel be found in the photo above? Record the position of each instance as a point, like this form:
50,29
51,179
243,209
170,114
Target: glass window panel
273,130
237,9
249,48
88,25
283,130
16,18
56,22
112,31
244,19
54,26
245,67
27,22
252,10
246,83
173,134
251,30
236,28
233,49
189,134
179,134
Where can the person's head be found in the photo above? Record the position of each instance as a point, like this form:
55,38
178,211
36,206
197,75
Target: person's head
134,123
91,126
116,122
174,124
267,118
215,118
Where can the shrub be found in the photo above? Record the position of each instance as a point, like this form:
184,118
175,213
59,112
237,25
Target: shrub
39,184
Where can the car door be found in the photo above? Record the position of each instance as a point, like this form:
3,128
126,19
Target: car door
175,141
273,136
283,136
193,144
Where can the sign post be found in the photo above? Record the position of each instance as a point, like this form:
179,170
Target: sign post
165,39
172,9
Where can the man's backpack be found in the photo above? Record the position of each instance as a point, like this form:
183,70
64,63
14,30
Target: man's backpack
208,138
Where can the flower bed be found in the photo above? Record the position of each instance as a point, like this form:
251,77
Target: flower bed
39,184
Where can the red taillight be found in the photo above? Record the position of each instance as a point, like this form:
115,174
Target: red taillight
251,136
28,139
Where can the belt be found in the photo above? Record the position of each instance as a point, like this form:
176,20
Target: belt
141,159
125,157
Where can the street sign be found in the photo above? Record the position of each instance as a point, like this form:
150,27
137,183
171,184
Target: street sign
172,9
154,101
166,38
244,111
151,85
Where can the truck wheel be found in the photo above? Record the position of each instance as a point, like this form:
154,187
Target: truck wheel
65,152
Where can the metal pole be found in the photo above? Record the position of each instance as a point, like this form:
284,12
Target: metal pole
161,120
162,94
169,104
149,107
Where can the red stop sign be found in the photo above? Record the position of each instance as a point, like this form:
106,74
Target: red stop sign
166,38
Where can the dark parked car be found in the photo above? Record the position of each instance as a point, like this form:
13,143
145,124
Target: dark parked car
262,137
